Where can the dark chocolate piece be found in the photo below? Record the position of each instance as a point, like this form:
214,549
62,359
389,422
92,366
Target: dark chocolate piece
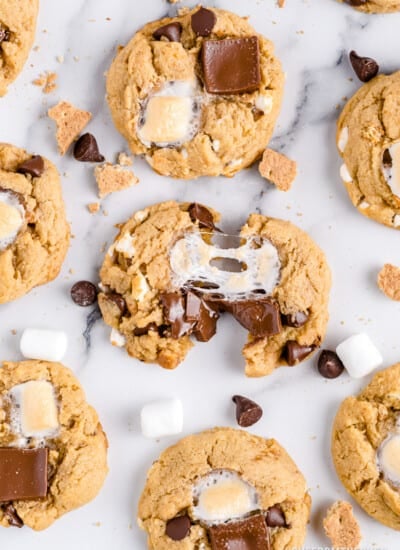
172,32
295,320
294,352
387,159
84,293
276,517
260,317
87,150
329,364
364,67
178,528
142,331
23,473
247,411
203,21
118,300
33,166
174,311
201,214
11,514
251,533
356,3
4,35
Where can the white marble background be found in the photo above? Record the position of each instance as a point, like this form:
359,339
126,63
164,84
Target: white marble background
312,38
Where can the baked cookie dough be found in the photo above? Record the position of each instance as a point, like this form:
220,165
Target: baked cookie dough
374,6
221,489
197,94
366,447
368,139
17,32
51,444
34,233
170,273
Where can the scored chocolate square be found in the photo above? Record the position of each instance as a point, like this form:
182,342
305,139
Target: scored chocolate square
23,473
232,65
251,533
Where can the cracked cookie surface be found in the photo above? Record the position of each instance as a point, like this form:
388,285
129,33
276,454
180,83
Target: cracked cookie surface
141,297
34,253
77,457
261,464
374,6
231,130
362,428
17,32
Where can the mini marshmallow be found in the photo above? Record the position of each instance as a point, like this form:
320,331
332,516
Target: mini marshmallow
343,139
391,170
359,355
48,345
388,458
117,338
345,174
162,418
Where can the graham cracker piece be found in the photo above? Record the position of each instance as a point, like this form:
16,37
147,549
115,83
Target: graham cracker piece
278,169
124,159
70,122
389,281
341,526
281,3
93,207
47,81
111,177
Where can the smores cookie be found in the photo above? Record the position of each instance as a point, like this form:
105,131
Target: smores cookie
374,6
198,94
171,273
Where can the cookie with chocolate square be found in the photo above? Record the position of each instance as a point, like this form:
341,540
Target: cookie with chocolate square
17,32
53,450
34,233
374,6
223,489
171,273
197,94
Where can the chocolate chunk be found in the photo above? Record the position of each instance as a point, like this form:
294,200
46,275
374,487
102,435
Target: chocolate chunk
172,32
201,214
4,35
204,317
364,67
203,21
178,528
11,514
23,473
232,65
247,411
329,364
356,3
174,311
142,331
251,533
118,300
295,320
260,317
84,293
295,353
87,150
276,517
387,159
33,166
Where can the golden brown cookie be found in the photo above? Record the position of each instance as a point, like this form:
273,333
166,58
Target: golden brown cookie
43,413
17,32
374,6
170,274
34,233
224,485
366,447
197,94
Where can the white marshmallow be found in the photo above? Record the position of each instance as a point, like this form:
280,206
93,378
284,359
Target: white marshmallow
162,418
396,220
343,139
48,345
389,458
359,355
345,174
117,338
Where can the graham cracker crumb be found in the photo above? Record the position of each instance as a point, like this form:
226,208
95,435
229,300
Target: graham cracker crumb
111,177
47,81
93,207
341,526
70,122
389,281
278,169
124,159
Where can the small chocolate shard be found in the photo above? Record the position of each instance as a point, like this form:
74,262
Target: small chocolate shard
204,317
356,3
12,516
260,317
118,300
142,331
202,215
247,411
295,320
276,517
5,35
387,160
87,150
174,311
178,528
365,68
294,352
172,32
203,21
251,533
33,166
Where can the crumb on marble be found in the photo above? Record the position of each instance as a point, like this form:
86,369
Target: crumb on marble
124,159
281,3
111,178
46,81
278,169
341,527
389,281
93,207
70,122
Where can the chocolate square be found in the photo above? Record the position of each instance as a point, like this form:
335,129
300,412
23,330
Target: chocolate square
232,65
23,473
249,534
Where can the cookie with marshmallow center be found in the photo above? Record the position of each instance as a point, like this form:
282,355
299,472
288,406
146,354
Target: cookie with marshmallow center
366,447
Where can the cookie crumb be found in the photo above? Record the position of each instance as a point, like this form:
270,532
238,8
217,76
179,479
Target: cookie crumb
124,159
111,177
281,3
341,526
389,281
70,122
93,207
47,81
278,169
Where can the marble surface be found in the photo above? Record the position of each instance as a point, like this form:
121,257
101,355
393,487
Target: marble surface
312,39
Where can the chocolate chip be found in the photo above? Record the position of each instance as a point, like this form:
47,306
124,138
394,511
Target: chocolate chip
142,331
247,411
178,528
232,65
4,35
356,3
118,300
84,293
87,150
199,213
251,533
295,320
295,353
364,67
172,32
276,517
260,317
12,516
33,166
387,159
329,364
174,311
203,22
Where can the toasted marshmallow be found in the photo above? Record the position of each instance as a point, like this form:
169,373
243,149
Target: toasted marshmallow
12,215
222,495
171,116
391,168
343,139
389,458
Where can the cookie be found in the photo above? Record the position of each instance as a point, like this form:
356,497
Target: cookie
368,139
53,451
222,489
374,6
34,233
366,446
197,94
170,274
17,32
